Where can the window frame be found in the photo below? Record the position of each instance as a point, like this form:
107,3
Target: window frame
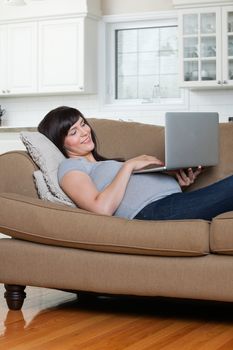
112,23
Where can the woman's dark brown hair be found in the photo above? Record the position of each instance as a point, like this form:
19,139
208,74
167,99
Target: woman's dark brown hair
57,123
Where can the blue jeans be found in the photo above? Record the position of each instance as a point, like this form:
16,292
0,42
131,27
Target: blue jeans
204,203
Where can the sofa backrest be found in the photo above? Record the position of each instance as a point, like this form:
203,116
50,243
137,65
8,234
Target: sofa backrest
128,139
225,165
116,139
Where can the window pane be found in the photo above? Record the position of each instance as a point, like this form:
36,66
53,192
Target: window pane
148,87
230,45
127,88
190,24
127,40
208,23
168,40
230,22
127,64
230,68
169,65
191,71
208,47
169,86
148,39
190,47
147,63
208,70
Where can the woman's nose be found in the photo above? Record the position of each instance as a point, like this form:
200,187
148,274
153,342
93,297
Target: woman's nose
82,131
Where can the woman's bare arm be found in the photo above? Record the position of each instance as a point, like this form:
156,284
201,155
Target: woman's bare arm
81,189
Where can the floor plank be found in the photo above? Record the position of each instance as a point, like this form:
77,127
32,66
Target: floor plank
55,320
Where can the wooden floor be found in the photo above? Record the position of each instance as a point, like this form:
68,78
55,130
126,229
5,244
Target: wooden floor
56,320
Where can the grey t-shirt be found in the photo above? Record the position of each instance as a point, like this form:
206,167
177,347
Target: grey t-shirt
141,190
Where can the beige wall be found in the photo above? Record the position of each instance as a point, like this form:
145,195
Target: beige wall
113,7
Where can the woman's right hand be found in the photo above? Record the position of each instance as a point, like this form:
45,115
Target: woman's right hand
142,161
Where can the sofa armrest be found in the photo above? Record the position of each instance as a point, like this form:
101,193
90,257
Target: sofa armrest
221,234
16,173
39,221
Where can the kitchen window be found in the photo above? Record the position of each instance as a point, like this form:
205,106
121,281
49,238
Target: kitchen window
142,61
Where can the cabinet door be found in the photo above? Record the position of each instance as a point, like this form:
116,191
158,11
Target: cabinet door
227,39
200,47
22,58
61,55
3,59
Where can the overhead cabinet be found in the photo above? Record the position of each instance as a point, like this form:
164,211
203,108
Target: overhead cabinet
67,55
206,47
18,58
49,56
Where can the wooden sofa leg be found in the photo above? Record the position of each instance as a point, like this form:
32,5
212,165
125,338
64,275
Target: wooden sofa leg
14,296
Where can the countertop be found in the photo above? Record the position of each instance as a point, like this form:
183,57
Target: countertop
9,129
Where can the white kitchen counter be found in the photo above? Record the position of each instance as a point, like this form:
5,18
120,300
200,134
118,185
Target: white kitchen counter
10,141
10,129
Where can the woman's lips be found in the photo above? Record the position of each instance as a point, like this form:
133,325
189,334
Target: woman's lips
87,140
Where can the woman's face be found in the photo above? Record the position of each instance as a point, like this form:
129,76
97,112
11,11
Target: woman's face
78,141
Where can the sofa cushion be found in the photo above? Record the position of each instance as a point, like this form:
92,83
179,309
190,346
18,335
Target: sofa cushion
221,234
47,157
37,221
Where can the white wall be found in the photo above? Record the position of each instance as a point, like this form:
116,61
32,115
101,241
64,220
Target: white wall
213,101
28,111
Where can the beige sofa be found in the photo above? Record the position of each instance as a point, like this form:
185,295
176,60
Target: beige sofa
56,246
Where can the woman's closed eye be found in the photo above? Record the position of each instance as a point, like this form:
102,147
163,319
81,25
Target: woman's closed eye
72,132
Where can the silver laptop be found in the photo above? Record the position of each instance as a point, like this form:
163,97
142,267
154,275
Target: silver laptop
191,139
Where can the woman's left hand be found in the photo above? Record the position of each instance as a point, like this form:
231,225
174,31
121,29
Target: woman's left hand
187,177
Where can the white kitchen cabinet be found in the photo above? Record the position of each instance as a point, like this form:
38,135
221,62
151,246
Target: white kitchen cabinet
67,55
49,56
18,58
227,44
3,59
206,47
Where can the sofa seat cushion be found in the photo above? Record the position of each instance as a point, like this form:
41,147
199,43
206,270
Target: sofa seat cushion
221,234
48,223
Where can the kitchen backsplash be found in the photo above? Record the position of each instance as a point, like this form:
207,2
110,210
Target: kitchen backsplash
28,111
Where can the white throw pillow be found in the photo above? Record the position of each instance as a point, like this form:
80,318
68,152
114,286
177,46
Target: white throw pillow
47,157
44,192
